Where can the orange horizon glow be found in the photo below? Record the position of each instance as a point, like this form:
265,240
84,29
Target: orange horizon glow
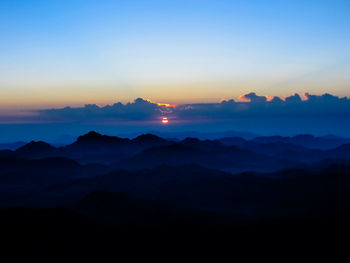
167,105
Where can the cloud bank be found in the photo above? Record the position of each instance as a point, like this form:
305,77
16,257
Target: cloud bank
264,115
138,110
247,106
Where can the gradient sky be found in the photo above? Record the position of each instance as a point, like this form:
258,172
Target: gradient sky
55,53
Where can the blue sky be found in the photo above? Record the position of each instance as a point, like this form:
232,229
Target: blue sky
58,53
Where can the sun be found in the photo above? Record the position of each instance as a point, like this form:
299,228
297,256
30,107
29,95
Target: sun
165,120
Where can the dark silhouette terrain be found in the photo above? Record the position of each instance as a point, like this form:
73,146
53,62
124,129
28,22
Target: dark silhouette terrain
166,199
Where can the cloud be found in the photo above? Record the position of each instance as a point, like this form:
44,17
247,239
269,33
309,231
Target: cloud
316,114
253,108
325,98
253,98
293,99
138,110
276,100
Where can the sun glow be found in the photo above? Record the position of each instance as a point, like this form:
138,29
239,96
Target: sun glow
167,105
165,120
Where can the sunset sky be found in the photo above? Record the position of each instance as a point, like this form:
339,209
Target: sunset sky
55,53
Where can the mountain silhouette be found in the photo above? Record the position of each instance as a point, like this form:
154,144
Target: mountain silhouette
37,149
230,153
11,146
148,193
150,139
211,154
306,140
95,139
94,147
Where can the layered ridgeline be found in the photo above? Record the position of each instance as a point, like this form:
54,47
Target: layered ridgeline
154,167
104,193
233,154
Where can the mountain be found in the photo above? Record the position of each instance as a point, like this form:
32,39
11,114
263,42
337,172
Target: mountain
95,139
11,146
153,183
33,150
316,155
19,178
237,141
149,196
267,148
211,154
94,147
307,140
195,134
303,191
36,150
262,154
175,154
149,140
342,151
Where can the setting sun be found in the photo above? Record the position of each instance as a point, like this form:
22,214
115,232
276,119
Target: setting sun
165,120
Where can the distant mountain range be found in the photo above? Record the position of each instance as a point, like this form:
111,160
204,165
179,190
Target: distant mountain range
93,157
234,154
164,193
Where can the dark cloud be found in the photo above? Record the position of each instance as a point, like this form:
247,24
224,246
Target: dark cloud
325,98
253,98
293,99
276,100
139,109
317,114
253,106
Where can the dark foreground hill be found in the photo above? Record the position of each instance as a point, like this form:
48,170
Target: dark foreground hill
109,226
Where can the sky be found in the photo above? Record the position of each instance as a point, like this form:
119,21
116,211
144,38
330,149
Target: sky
57,53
